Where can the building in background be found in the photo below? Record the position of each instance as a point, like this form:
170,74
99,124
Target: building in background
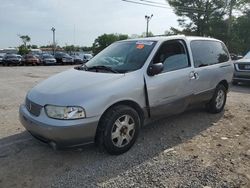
9,51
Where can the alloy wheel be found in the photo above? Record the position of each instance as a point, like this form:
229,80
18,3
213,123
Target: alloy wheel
123,131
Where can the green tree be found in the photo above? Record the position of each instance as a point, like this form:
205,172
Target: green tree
22,50
196,15
150,34
240,40
133,36
69,48
225,20
86,48
33,46
105,40
25,39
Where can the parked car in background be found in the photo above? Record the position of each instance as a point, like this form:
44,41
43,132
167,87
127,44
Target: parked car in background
235,56
1,58
242,70
77,59
63,58
11,59
87,57
30,59
47,59
108,99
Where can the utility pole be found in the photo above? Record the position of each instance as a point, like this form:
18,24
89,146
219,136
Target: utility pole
148,18
54,42
231,5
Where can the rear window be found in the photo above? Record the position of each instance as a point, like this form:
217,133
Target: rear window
208,53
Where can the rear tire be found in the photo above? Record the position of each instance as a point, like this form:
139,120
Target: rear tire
217,103
118,129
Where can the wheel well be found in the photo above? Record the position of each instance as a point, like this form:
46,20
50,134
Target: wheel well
129,103
224,83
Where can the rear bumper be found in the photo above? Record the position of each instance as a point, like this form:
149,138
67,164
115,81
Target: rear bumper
64,133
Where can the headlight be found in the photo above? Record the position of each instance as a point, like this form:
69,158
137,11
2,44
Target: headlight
61,112
64,60
235,66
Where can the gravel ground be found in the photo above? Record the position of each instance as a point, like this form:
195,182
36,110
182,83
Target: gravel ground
193,149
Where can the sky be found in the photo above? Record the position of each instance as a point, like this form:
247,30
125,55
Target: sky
77,22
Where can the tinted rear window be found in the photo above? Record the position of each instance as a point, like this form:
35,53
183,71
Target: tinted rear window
208,53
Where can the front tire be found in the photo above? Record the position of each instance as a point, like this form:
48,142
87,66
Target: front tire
119,129
217,103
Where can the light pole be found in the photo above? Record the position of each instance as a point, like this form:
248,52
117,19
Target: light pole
54,43
148,18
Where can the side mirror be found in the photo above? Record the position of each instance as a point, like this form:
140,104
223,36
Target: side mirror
155,69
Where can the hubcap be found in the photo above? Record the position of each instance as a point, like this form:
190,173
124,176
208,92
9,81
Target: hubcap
123,131
220,99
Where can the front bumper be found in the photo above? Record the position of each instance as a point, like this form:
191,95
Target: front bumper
241,76
15,62
48,62
68,60
64,133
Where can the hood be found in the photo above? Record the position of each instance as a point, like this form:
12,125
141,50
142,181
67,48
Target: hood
68,87
243,61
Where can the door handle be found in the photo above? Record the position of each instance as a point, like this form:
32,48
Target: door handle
193,75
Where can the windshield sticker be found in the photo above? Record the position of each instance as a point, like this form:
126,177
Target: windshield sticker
140,46
148,43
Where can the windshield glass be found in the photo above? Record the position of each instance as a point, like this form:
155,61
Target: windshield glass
123,56
48,56
11,55
247,56
66,55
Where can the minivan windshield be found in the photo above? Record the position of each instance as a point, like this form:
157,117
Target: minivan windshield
247,56
121,57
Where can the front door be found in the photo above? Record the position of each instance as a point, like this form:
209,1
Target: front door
169,92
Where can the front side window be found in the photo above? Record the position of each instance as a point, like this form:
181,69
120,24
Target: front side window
125,56
173,55
208,53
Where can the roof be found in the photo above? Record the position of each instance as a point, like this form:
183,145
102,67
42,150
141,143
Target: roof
163,38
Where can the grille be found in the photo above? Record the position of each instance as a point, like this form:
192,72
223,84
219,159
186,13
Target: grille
33,108
245,66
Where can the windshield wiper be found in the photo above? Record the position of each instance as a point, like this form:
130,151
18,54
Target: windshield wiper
102,67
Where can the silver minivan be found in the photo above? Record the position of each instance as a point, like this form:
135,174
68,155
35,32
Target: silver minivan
108,99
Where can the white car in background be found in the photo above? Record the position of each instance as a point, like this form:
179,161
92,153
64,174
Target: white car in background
87,57
1,58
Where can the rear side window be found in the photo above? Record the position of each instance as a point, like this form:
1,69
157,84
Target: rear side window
208,53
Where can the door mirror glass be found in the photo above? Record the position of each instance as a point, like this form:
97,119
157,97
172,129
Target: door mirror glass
155,69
